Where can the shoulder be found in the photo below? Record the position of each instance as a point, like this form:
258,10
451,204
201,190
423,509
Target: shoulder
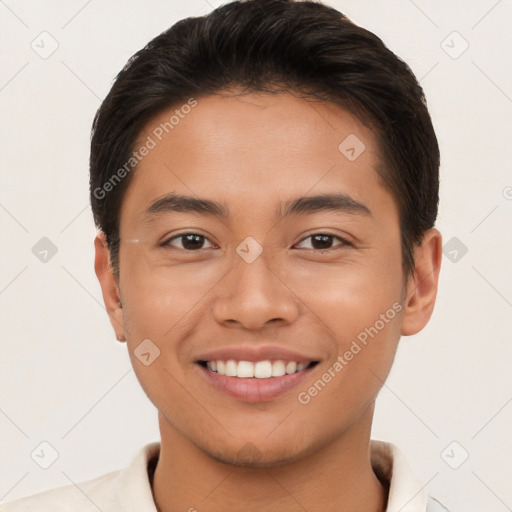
127,490
82,497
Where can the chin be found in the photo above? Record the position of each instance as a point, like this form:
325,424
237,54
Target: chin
257,454
250,457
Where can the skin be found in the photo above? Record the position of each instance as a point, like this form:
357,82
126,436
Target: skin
252,152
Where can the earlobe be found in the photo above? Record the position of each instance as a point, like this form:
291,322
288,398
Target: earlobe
422,285
108,285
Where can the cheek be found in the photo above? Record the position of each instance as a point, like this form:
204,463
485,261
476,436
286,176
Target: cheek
358,305
168,308
367,333
349,296
364,326
164,301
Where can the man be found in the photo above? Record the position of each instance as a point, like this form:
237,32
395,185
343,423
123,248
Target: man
265,182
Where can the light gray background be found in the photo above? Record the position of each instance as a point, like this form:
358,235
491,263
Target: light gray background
63,377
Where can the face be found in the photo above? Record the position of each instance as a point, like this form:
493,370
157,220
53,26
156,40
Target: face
262,325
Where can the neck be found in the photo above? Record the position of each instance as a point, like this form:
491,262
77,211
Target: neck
337,477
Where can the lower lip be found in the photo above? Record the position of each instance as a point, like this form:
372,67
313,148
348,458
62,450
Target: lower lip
253,389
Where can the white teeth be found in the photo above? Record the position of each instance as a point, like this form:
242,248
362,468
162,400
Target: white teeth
278,369
231,368
245,369
291,367
263,369
259,370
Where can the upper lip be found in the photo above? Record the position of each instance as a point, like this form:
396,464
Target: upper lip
263,353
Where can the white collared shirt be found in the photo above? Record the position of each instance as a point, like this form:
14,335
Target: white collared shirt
129,489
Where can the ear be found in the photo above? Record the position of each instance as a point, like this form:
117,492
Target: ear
109,288
422,284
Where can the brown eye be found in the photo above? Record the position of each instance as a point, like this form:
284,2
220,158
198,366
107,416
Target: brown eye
324,241
190,241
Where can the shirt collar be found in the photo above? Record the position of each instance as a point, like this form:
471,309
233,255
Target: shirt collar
133,489
405,492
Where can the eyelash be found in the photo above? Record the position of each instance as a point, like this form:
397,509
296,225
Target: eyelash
345,242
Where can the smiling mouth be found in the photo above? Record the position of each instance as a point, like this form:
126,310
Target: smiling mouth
264,369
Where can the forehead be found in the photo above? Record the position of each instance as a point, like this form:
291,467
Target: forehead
254,150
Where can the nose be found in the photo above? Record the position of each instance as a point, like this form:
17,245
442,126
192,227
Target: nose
253,295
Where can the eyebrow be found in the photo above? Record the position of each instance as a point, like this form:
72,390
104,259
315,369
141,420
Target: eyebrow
339,202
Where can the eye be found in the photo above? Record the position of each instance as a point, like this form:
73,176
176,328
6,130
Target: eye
190,241
323,241
195,241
